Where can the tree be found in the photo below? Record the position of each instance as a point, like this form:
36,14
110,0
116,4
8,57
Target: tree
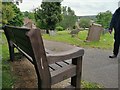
84,23
7,13
29,15
69,18
26,14
18,19
70,12
64,10
11,14
104,18
48,15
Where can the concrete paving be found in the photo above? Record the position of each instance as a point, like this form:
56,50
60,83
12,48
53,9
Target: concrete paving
97,66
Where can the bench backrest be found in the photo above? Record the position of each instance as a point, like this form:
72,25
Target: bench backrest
19,38
30,42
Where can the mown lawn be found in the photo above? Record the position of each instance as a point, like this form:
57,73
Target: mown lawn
7,77
106,40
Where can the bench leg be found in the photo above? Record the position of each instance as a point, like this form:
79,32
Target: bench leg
41,84
76,80
11,51
38,78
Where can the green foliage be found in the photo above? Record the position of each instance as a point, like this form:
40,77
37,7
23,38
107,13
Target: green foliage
104,18
69,18
25,14
59,28
70,12
95,86
48,15
0,14
11,14
7,13
18,19
29,15
68,21
84,23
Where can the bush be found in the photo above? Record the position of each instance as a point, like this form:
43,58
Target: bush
59,28
84,23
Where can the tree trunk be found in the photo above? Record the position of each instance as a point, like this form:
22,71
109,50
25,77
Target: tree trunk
47,31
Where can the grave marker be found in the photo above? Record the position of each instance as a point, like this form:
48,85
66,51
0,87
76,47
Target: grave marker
94,32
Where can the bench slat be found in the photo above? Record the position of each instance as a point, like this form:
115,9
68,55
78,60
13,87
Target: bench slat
63,73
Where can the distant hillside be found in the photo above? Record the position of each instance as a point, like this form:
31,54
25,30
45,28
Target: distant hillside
88,16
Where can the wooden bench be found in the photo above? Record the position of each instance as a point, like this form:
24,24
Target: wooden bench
29,42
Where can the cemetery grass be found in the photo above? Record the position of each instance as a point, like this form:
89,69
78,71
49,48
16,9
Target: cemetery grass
106,41
8,79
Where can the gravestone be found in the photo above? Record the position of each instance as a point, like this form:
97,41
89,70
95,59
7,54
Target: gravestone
94,32
74,32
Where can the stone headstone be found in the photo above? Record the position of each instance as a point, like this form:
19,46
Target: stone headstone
94,32
52,32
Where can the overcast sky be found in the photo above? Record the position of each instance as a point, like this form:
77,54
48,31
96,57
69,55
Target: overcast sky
81,7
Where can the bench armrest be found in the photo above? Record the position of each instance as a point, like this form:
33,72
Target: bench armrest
66,55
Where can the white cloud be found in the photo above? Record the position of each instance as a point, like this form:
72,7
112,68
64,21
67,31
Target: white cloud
28,5
91,7
81,7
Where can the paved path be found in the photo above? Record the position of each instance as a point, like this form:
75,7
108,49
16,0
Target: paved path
97,67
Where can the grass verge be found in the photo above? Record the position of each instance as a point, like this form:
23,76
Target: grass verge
105,42
7,79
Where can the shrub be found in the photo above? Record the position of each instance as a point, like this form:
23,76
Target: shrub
59,28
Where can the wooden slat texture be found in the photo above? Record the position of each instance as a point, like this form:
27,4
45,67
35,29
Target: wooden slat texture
58,65
23,41
76,52
54,66
68,61
62,64
63,73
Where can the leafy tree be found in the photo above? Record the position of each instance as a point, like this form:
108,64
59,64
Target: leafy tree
70,12
64,10
84,23
26,14
7,13
68,21
104,18
29,15
69,18
48,15
0,14
11,14
18,19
